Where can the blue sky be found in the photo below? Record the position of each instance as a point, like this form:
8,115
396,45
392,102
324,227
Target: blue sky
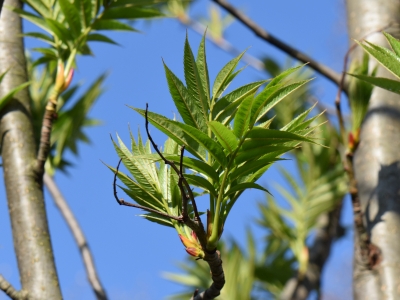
130,252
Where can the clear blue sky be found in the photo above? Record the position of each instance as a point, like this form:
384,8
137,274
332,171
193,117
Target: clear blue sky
130,252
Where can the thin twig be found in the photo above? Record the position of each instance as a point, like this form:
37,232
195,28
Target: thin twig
78,235
124,203
189,194
10,291
266,36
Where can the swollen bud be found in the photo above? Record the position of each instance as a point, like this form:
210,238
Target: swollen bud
192,247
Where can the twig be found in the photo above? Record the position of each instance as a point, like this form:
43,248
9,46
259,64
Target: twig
218,277
211,257
185,196
44,146
266,36
11,292
370,254
124,203
78,235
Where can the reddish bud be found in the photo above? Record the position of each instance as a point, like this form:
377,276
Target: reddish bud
68,79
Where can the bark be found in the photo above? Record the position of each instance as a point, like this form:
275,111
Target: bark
24,191
377,163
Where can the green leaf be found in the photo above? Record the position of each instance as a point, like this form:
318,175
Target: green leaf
255,153
226,106
213,148
111,25
6,99
130,12
40,36
261,136
60,31
264,103
175,132
244,186
224,135
72,16
201,182
201,63
158,219
193,80
283,75
252,166
40,22
384,83
188,108
394,43
223,76
196,165
242,118
97,37
384,56
39,7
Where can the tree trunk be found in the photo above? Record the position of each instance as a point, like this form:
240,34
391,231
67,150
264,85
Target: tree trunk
377,162
24,189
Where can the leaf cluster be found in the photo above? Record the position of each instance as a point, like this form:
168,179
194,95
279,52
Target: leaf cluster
229,145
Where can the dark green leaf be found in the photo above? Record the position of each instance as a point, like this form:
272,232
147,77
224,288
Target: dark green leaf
224,135
242,118
130,12
72,16
193,80
223,76
188,108
201,62
96,37
245,186
257,152
384,83
111,25
201,182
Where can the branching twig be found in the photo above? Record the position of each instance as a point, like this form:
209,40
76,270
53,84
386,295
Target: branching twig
266,36
11,292
124,203
185,196
78,235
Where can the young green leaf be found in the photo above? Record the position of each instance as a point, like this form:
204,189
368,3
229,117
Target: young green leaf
224,135
193,80
394,43
384,83
201,63
189,109
222,78
242,118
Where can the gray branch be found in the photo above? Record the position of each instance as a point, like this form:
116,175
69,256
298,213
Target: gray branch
78,235
10,291
269,38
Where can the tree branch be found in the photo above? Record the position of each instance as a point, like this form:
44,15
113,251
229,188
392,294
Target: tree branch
266,36
11,292
329,230
30,230
78,235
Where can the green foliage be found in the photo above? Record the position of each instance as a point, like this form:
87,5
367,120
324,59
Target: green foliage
388,59
222,139
68,127
360,91
69,25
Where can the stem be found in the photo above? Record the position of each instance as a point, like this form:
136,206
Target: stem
78,235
